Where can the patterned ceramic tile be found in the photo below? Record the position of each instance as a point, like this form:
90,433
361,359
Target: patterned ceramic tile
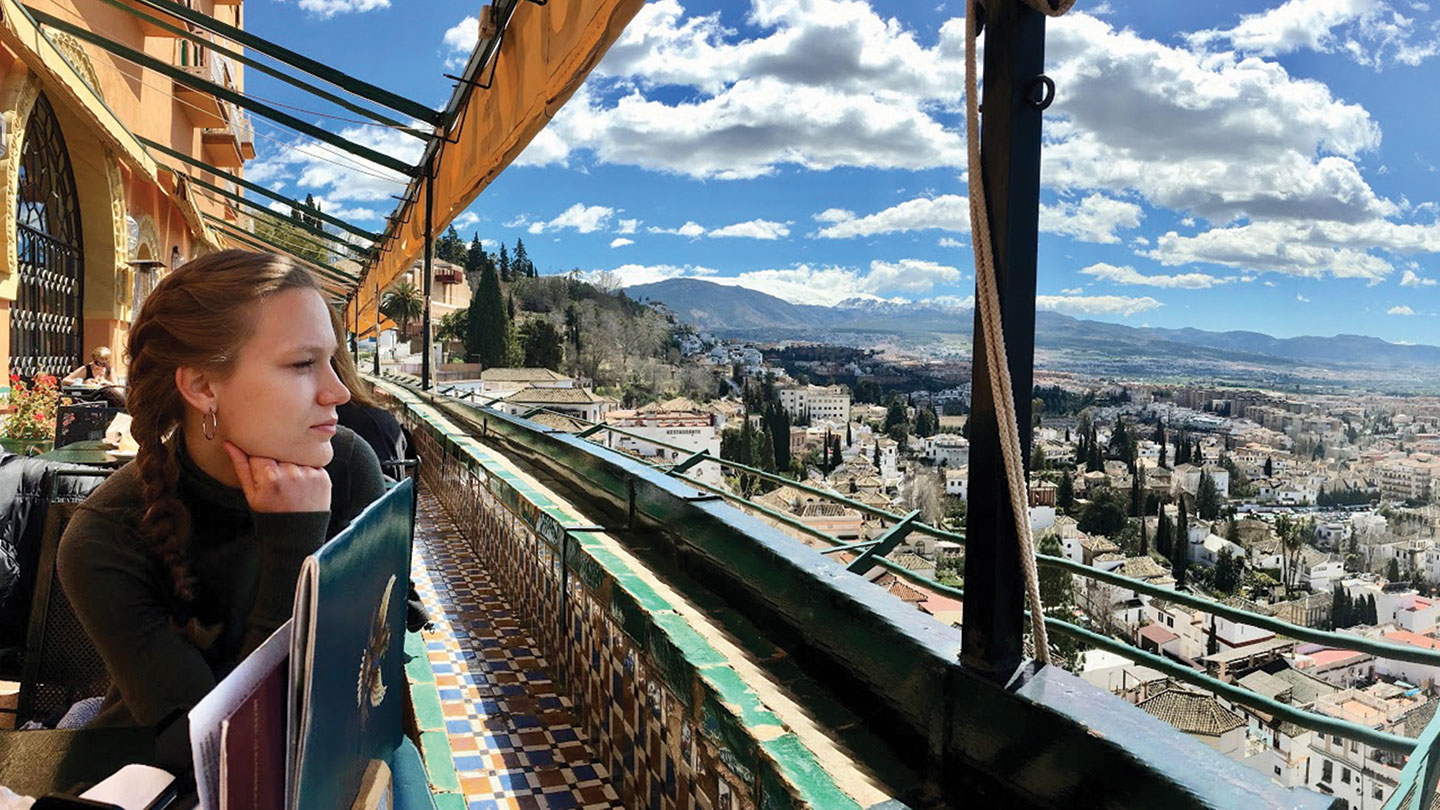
514,740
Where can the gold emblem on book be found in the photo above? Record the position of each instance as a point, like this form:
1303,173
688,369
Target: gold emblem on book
370,689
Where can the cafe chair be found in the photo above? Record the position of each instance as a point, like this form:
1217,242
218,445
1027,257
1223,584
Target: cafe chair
83,422
61,665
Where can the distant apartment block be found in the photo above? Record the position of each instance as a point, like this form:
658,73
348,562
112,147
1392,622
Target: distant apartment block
817,403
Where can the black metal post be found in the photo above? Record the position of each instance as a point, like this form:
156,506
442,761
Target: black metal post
377,329
1010,162
429,273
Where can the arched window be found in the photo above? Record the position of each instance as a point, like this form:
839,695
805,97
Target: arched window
45,318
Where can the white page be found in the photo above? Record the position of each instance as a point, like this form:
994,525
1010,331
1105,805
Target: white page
212,710
133,787
301,644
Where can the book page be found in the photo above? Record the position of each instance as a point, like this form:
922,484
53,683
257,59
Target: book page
209,715
133,787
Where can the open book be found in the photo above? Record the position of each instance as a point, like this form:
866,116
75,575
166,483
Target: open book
298,722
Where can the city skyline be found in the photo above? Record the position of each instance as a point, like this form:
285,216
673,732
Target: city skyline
1263,169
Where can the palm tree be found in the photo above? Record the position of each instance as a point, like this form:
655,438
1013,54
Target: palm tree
403,303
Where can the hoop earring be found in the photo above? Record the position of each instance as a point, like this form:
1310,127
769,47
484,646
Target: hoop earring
209,428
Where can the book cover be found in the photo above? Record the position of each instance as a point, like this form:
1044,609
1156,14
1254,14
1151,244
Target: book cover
253,749
347,653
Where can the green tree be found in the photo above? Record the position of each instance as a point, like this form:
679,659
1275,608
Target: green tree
1207,497
288,235
894,414
1065,493
1371,617
1162,534
1057,585
926,422
1137,493
1269,468
835,454
449,247
1180,547
475,259
504,263
453,325
1339,609
520,266
403,304
542,344
1227,572
572,326
1104,515
1212,644
489,329
1392,570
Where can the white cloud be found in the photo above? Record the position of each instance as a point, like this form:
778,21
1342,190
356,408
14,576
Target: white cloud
1311,250
317,168
628,226
1121,305
581,217
947,212
629,275
621,241
1073,291
1302,299
754,229
690,229
1371,32
329,8
825,83
463,36
1093,219
1201,132
1400,310
1129,275
1410,279
466,220
947,242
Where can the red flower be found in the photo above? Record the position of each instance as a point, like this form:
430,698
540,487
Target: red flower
40,417
14,379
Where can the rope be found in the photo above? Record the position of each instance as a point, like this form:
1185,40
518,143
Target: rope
988,305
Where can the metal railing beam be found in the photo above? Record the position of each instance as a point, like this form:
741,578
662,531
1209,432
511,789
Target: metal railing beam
365,90
255,187
220,91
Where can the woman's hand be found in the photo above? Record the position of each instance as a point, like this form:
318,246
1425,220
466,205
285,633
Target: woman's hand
279,486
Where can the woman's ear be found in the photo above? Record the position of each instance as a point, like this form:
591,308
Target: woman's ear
195,387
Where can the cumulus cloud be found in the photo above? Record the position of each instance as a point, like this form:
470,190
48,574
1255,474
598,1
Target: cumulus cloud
628,226
1092,219
1310,250
629,275
1400,310
329,8
947,212
621,241
1129,275
466,220
1371,32
1120,305
754,229
947,242
1411,279
339,176
1201,132
580,217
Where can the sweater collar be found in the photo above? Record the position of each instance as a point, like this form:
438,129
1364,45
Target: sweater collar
197,483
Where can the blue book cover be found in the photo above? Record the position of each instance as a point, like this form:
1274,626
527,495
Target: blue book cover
346,663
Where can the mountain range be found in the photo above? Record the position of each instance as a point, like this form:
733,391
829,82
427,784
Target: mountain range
731,311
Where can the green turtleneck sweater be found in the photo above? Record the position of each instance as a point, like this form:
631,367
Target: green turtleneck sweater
245,566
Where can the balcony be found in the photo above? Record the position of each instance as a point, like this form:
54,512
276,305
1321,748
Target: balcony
229,146
692,642
202,108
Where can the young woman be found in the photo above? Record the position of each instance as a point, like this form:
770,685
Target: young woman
182,562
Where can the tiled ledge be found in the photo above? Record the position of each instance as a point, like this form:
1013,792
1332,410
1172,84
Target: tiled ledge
668,702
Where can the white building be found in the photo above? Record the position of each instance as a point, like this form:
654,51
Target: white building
578,402
948,449
816,403
957,483
678,422
501,381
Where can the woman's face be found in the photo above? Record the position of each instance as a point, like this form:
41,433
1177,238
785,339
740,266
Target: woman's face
280,401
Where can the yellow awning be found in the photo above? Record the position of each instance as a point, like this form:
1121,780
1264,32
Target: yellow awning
546,53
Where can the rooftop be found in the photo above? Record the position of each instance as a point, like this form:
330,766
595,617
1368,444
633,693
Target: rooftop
1193,713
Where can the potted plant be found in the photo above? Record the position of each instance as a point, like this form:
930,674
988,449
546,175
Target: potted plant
29,428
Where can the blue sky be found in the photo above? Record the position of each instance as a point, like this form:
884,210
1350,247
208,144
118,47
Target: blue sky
1269,166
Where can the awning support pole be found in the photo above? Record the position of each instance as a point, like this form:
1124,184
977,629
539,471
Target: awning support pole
992,642
429,274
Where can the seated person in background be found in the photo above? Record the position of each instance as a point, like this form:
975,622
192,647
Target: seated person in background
377,426
98,372
362,414
186,559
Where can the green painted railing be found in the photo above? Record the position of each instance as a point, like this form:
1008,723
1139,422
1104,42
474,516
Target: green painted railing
1420,772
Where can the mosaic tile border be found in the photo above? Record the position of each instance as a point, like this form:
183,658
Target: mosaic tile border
676,726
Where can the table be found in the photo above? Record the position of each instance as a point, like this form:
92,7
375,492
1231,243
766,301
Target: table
92,453
44,761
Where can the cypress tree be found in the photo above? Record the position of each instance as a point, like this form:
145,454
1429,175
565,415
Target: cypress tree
1181,547
1065,493
1162,534
488,326
1371,617
504,263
